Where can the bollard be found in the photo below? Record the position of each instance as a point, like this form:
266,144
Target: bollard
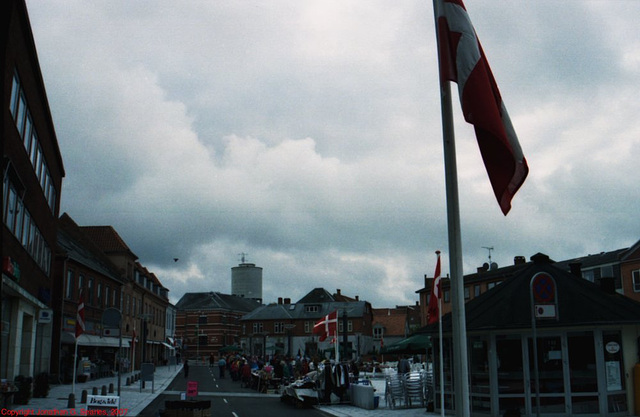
111,388
83,397
128,382
71,403
94,391
103,391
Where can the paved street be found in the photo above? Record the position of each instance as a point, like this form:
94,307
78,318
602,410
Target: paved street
226,396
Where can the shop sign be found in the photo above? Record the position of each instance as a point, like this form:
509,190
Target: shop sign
11,268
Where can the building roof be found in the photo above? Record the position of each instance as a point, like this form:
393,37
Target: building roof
79,247
107,239
215,301
580,303
317,295
598,259
300,311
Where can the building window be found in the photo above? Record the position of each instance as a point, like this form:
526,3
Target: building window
203,340
202,320
99,295
476,290
278,327
311,309
257,328
307,327
69,290
378,332
467,293
446,295
635,276
80,283
90,291
106,296
349,326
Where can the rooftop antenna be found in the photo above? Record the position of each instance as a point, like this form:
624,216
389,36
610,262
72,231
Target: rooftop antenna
489,248
243,255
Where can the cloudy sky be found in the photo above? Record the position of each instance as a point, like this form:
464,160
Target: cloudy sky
307,134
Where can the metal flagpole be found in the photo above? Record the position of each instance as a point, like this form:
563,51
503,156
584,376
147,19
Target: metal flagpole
460,363
75,368
441,357
335,335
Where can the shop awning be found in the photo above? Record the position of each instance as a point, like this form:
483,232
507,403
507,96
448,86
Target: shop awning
93,340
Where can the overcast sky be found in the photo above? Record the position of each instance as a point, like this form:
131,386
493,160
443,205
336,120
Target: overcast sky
307,134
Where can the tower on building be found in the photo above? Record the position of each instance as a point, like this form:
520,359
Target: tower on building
246,280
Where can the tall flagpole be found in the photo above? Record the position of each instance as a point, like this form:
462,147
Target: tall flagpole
460,363
441,356
75,368
336,338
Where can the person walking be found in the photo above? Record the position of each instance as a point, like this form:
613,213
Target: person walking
211,360
222,364
186,368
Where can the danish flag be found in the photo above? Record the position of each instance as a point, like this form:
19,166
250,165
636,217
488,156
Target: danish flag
80,316
327,326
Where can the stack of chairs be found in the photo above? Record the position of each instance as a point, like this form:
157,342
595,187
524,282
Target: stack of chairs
394,390
414,388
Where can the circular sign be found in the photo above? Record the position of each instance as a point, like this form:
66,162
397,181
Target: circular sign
612,347
544,288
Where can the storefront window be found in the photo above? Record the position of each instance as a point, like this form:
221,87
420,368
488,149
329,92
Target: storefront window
550,375
617,400
510,370
480,382
583,372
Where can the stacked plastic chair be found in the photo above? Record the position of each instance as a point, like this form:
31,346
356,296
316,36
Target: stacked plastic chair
414,383
394,390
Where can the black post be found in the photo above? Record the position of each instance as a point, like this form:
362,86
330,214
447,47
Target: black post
144,340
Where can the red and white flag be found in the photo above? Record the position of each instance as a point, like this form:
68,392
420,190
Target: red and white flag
462,60
433,310
80,316
326,326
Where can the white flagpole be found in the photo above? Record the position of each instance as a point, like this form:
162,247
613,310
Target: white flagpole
337,338
441,357
459,330
75,367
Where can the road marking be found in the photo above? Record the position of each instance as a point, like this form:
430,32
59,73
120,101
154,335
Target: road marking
234,414
226,394
225,400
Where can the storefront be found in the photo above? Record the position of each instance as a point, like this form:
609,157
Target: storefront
585,352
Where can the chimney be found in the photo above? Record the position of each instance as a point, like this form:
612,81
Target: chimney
357,298
287,300
279,300
576,269
338,291
519,260
608,285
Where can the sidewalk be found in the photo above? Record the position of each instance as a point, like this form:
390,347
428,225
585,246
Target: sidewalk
340,410
132,401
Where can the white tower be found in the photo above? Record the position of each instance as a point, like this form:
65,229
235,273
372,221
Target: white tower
246,280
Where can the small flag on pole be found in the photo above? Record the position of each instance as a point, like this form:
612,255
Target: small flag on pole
433,310
462,60
80,316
